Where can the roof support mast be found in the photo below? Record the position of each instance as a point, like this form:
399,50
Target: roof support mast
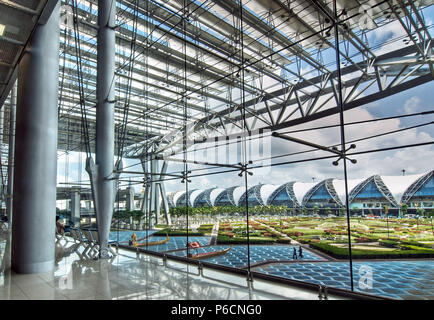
104,180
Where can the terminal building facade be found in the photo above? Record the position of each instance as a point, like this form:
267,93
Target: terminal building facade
366,196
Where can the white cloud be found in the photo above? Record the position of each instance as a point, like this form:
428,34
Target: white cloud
413,160
412,105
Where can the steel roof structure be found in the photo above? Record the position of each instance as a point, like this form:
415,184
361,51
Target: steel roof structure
198,68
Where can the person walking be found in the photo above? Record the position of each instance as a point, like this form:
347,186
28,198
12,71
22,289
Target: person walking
294,254
300,252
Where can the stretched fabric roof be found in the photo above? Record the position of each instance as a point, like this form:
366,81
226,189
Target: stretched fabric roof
339,186
397,185
237,193
215,193
301,188
266,191
392,186
194,195
178,195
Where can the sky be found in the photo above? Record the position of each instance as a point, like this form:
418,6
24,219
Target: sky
413,160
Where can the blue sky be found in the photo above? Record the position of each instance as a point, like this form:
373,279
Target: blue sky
413,160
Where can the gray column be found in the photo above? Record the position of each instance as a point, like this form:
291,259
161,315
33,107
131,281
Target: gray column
105,121
130,199
75,208
152,195
34,203
157,192
162,190
11,155
145,203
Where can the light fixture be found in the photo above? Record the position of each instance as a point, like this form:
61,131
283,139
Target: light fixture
2,29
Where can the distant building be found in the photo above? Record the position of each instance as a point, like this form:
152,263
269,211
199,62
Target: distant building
367,196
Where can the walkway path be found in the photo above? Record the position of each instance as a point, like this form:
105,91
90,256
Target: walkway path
284,235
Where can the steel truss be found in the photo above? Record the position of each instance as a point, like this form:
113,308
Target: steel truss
290,77
382,188
252,191
415,187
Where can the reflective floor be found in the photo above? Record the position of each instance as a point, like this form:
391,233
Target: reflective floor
237,256
395,279
132,276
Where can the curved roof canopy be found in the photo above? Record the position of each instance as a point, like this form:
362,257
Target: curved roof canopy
393,188
397,185
266,191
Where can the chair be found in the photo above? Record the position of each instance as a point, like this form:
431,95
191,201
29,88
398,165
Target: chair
77,236
92,245
95,237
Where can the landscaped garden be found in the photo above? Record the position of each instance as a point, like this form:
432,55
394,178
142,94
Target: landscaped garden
380,238
370,238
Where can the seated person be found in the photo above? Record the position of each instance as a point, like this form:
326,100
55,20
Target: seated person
59,226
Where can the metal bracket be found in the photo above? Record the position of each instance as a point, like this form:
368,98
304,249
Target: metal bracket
322,293
249,280
184,176
243,168
343,155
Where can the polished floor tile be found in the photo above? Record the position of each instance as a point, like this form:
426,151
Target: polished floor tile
131,276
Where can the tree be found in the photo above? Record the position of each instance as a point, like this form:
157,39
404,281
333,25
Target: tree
420,212
404,209
356,209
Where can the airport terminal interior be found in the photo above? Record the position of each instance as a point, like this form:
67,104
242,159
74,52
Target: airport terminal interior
216,150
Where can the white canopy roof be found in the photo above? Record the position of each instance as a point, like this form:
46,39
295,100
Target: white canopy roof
237,193
177,195
214,194
194,194
266,191
301,188
397,185
339,186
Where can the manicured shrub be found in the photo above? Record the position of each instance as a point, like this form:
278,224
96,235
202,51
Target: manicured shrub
362,240
342,253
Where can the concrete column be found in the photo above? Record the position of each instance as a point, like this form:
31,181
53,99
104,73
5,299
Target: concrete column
11,151
152,195
75,208
105,121
130,199
143,203
157,192
163,194
34,203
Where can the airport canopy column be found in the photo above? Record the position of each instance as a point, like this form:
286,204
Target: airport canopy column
75,207
34,201
105,182
129,201
9,195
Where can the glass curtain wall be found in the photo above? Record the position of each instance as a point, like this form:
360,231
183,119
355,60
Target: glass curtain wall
272,151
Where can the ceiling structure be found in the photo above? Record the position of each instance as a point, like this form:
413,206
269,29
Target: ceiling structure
17,22
207,69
